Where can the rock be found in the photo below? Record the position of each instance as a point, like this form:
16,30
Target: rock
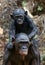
1,31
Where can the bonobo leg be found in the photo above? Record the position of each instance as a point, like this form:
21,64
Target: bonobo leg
7,53
35,52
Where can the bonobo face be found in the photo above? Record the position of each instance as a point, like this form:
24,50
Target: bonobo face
18,15
19,19
22,48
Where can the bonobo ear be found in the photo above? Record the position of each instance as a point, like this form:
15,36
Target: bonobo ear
26,12
12,16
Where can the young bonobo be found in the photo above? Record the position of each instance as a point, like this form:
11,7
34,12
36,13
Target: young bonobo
22,23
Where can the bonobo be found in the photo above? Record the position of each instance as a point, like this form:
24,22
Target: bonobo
21,23
21,53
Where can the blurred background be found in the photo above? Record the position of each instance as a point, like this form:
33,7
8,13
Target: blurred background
36,10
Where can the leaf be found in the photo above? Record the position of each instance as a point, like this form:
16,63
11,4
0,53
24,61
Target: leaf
40,8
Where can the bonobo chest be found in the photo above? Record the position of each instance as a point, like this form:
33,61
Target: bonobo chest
22,28
17,59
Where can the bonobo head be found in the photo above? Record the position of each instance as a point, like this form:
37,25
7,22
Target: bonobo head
18,15
22,44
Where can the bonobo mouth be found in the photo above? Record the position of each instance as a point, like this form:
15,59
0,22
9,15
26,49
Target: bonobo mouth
24,52
20,22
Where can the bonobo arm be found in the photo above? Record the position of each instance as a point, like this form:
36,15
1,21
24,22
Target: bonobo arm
6,56
33,26
12,31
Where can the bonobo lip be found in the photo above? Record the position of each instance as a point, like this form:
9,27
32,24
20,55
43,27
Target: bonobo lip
23,53
20,22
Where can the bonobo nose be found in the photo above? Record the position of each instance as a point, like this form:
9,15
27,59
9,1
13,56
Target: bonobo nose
24,47
19,21
24,50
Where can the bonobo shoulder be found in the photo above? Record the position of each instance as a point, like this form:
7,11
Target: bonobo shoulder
28,18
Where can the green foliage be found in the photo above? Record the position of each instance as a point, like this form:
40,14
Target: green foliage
24,3
43,57
39,8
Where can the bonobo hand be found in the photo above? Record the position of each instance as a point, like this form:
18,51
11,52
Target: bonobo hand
30,37
11,44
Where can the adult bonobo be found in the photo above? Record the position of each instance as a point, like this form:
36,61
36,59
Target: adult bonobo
22,23
22,52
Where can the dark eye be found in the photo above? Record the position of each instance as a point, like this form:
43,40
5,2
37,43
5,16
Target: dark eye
24,43
21,17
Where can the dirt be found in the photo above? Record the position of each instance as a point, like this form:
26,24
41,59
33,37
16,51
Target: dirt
1,55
